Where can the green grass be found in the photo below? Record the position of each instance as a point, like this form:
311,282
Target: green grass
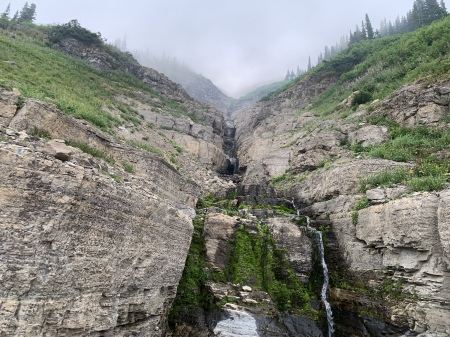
148,148
128,167
177,147
429,175
380,66
74,87
286,180
94,152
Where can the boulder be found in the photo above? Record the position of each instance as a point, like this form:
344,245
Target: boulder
369,135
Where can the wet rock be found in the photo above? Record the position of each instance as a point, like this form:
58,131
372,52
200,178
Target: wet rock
297,245
218,231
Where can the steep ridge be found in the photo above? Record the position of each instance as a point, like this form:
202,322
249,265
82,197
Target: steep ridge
386,236
96,211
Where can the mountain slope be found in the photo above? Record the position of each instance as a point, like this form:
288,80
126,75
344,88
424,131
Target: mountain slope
102,162
197,86
361,145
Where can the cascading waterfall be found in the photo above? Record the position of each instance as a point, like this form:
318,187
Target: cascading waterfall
326,279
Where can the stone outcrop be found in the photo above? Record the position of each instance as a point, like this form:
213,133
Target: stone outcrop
414,104
295,242
267,131
84,255
340,180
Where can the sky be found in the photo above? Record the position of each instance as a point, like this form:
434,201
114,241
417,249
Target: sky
238,44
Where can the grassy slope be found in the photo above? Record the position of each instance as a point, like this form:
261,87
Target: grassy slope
383,65
379,67
76,88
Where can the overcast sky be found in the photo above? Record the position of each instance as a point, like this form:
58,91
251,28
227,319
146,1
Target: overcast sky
238,44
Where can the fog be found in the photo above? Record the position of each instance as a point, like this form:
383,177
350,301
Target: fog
236,44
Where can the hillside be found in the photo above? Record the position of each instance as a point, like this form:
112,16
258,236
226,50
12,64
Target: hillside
333,217
110,158
196,85
361,143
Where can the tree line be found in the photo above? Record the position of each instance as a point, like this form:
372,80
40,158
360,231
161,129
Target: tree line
27,14
423,13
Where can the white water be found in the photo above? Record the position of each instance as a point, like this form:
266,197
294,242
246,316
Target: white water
326,279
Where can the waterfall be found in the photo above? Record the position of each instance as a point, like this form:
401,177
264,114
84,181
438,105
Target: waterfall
326,279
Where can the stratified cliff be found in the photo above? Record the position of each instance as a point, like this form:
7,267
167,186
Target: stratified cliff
96,219
387,236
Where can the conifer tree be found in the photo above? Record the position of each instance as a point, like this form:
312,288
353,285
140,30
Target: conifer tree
369,28
309,63
4,18
363,32
28,13
15,17
443,8
5,14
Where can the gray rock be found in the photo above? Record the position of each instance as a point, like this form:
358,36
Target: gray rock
369,135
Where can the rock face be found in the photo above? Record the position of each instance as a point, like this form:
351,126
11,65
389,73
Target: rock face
414,105
299,247
399,240
83,255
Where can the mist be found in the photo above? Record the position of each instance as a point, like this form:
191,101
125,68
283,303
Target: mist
238,45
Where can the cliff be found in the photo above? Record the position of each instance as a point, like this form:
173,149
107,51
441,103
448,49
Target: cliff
387,236
98,191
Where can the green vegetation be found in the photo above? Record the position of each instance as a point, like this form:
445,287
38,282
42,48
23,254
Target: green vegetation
418,145
40,132
128,167
115,176
94,152
385,178
190,292
392,290
361,204
177,147
148,148
72,29
382,65
255,261
286,180
76,88
355,217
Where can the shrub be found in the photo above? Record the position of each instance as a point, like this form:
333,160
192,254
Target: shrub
361,98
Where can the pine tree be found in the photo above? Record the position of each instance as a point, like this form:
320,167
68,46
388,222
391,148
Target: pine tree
28,13
369,28
363,32
434,12
4,18
327,53
5,14
309,63
15,17
416,16
292,75
288,75
443,8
